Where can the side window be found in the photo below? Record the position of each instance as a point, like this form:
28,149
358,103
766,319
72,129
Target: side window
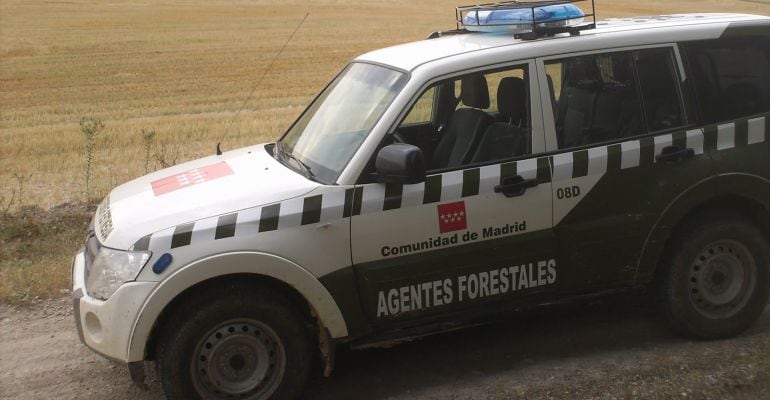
610,96
477,118
731,77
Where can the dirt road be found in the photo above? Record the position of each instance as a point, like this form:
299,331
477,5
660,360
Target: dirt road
615,348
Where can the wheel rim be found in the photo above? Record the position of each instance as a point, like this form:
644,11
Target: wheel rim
722,278
239,359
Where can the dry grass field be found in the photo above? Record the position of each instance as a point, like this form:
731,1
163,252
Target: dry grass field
181,69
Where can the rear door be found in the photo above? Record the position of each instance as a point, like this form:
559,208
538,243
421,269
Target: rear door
624,148
452,244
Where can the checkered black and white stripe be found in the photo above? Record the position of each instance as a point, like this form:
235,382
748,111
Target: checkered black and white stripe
338,202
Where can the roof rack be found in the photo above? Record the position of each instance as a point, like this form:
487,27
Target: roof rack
527,19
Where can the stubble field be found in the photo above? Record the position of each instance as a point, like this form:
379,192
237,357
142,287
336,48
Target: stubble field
183,69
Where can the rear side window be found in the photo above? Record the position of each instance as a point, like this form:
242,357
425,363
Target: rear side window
731,77
609,96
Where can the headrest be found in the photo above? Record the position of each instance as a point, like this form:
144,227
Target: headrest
622,71
583,73
475,91
512,99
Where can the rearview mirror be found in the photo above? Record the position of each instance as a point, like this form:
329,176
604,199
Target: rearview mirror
400,163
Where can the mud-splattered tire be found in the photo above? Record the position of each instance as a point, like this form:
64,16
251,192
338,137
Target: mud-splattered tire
715,282
234,342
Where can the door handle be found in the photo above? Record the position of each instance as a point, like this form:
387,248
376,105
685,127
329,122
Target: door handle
674,155
515,186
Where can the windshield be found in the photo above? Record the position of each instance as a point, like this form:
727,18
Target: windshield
328,134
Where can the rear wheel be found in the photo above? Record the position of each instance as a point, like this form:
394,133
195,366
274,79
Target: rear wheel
715,284
235,342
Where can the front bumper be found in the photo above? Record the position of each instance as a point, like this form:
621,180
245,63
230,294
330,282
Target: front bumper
105,326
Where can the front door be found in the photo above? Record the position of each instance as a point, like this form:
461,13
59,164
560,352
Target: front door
473,234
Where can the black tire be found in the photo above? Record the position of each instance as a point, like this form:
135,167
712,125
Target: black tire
714,284
234,341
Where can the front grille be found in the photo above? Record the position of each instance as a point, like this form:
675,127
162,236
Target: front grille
104,218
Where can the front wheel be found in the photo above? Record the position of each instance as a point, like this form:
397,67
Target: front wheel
235,342
715,283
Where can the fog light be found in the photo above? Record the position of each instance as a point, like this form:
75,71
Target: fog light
94,327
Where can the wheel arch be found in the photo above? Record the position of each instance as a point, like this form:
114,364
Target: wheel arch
745,194
261,268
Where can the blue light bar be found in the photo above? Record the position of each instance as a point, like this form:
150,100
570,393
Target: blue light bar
520,20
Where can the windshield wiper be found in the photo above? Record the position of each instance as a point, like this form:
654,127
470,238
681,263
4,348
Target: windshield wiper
283,154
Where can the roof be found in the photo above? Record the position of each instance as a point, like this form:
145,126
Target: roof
411,55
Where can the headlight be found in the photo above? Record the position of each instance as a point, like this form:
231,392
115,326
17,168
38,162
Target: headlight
112,268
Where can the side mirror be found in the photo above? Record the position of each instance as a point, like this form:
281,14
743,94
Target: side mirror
400,163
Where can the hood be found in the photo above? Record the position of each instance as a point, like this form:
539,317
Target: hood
207,187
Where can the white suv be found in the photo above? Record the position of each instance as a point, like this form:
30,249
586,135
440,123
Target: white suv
444,182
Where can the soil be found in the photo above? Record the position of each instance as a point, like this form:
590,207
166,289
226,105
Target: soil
613,348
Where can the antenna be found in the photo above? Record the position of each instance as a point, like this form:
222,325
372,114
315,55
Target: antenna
259,82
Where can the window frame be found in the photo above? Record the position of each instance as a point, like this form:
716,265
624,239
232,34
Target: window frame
549,119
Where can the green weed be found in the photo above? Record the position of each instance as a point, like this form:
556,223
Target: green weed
90,127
